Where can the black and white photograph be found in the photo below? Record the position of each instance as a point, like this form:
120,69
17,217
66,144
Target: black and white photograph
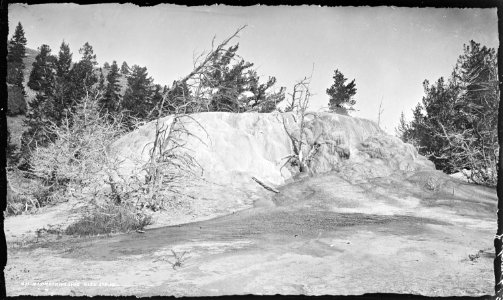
252,150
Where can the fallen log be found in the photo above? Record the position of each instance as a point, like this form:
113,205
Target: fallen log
265,186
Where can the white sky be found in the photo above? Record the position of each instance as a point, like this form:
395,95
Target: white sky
389,51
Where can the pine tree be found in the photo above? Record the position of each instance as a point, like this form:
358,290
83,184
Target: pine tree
458,128
229,81
402,129
83,75
41,111
262,100
137,100
87,65
17,46
15,75
43,65
63,87
111,99
125,68
341,94
101,81
64,62
106,65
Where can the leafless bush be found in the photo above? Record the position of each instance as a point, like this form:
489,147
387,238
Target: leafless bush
475,151
17,202
179,259
109,218
304,148
170,168
75,163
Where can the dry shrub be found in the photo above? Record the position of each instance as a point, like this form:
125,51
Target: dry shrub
76,165
18,203
304,141
23,194
109,218
170,167
433,180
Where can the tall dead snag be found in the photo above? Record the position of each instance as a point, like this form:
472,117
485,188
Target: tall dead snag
379,113
190,94
171,166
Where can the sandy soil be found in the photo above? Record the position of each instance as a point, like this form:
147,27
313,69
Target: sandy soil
321,235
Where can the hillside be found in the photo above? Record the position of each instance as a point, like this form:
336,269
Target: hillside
30,59
28,66
15,124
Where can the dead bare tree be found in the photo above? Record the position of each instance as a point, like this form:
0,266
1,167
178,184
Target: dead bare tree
303,150
204,65
75,163
379,113
171,166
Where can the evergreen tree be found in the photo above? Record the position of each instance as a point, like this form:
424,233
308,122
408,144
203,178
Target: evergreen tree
229,82
83,75
43,65
125,68
458,128
341,94
101,81
62,97
15,75
111,99
402,129
262,100
17,47
106,65
137,100
178,99
64,62
41,111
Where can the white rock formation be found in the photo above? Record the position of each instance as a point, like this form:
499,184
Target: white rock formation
236,147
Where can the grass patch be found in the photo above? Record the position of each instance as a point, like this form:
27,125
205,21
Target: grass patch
110,218
18,204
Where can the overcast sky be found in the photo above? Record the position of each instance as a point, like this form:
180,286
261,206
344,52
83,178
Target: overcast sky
389,51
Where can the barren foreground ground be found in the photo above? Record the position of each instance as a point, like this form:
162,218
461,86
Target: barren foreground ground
321,235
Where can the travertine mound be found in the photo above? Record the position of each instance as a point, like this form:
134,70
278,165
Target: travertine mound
232,148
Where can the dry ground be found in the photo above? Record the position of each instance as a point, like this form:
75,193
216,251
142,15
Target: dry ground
321,235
